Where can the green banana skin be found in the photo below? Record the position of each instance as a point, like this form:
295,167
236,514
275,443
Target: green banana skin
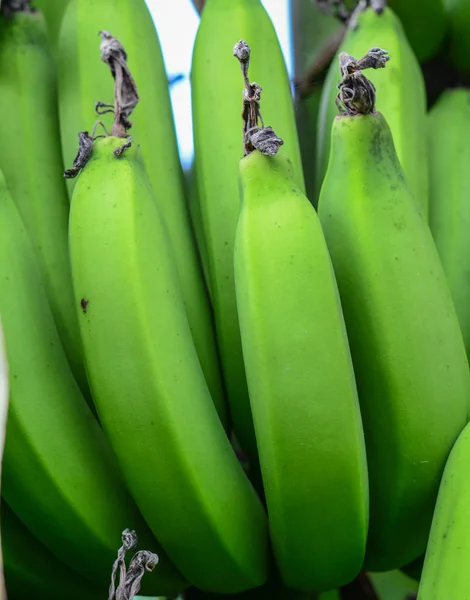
85,79
58,473
458,13
301,382
407,349
401,93
32,164
449,157
146,379
444,572
31,571
425,24
217,86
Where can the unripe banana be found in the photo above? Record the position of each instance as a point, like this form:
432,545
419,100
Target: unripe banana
216,104
83,80
425,24
31,571
147,382
31,162
449,159
400,89
445,574
407,349
301,382
58,473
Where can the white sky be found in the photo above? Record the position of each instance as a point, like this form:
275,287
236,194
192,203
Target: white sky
177,50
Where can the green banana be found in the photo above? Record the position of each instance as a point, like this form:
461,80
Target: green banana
31,571
31,162
400,89
458,14
58,473
407,349
449,157
216,103
301,382
148,386
83,80
425,24
444,572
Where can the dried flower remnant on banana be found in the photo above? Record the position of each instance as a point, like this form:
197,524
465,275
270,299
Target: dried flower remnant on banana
356,93
130,578
126,98
261,138
348,12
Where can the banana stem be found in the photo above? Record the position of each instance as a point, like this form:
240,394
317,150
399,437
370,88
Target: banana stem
356,94
263,139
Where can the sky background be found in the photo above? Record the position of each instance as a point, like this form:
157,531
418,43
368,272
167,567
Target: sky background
177,51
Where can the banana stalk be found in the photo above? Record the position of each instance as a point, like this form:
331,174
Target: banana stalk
401,92
449,157
58,475
217,102
32,164
84,80
407,349
147,381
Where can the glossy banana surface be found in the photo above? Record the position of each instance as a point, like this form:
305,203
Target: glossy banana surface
301,382
147,382
407,349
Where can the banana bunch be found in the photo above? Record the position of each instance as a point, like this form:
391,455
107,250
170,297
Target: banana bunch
272,398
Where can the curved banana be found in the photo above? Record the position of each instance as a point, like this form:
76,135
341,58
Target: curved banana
444,571
425,24
216,104
31,571
301,382
407,349
402,97
58,473
31,161
83,80
449,157
458,13
148,386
